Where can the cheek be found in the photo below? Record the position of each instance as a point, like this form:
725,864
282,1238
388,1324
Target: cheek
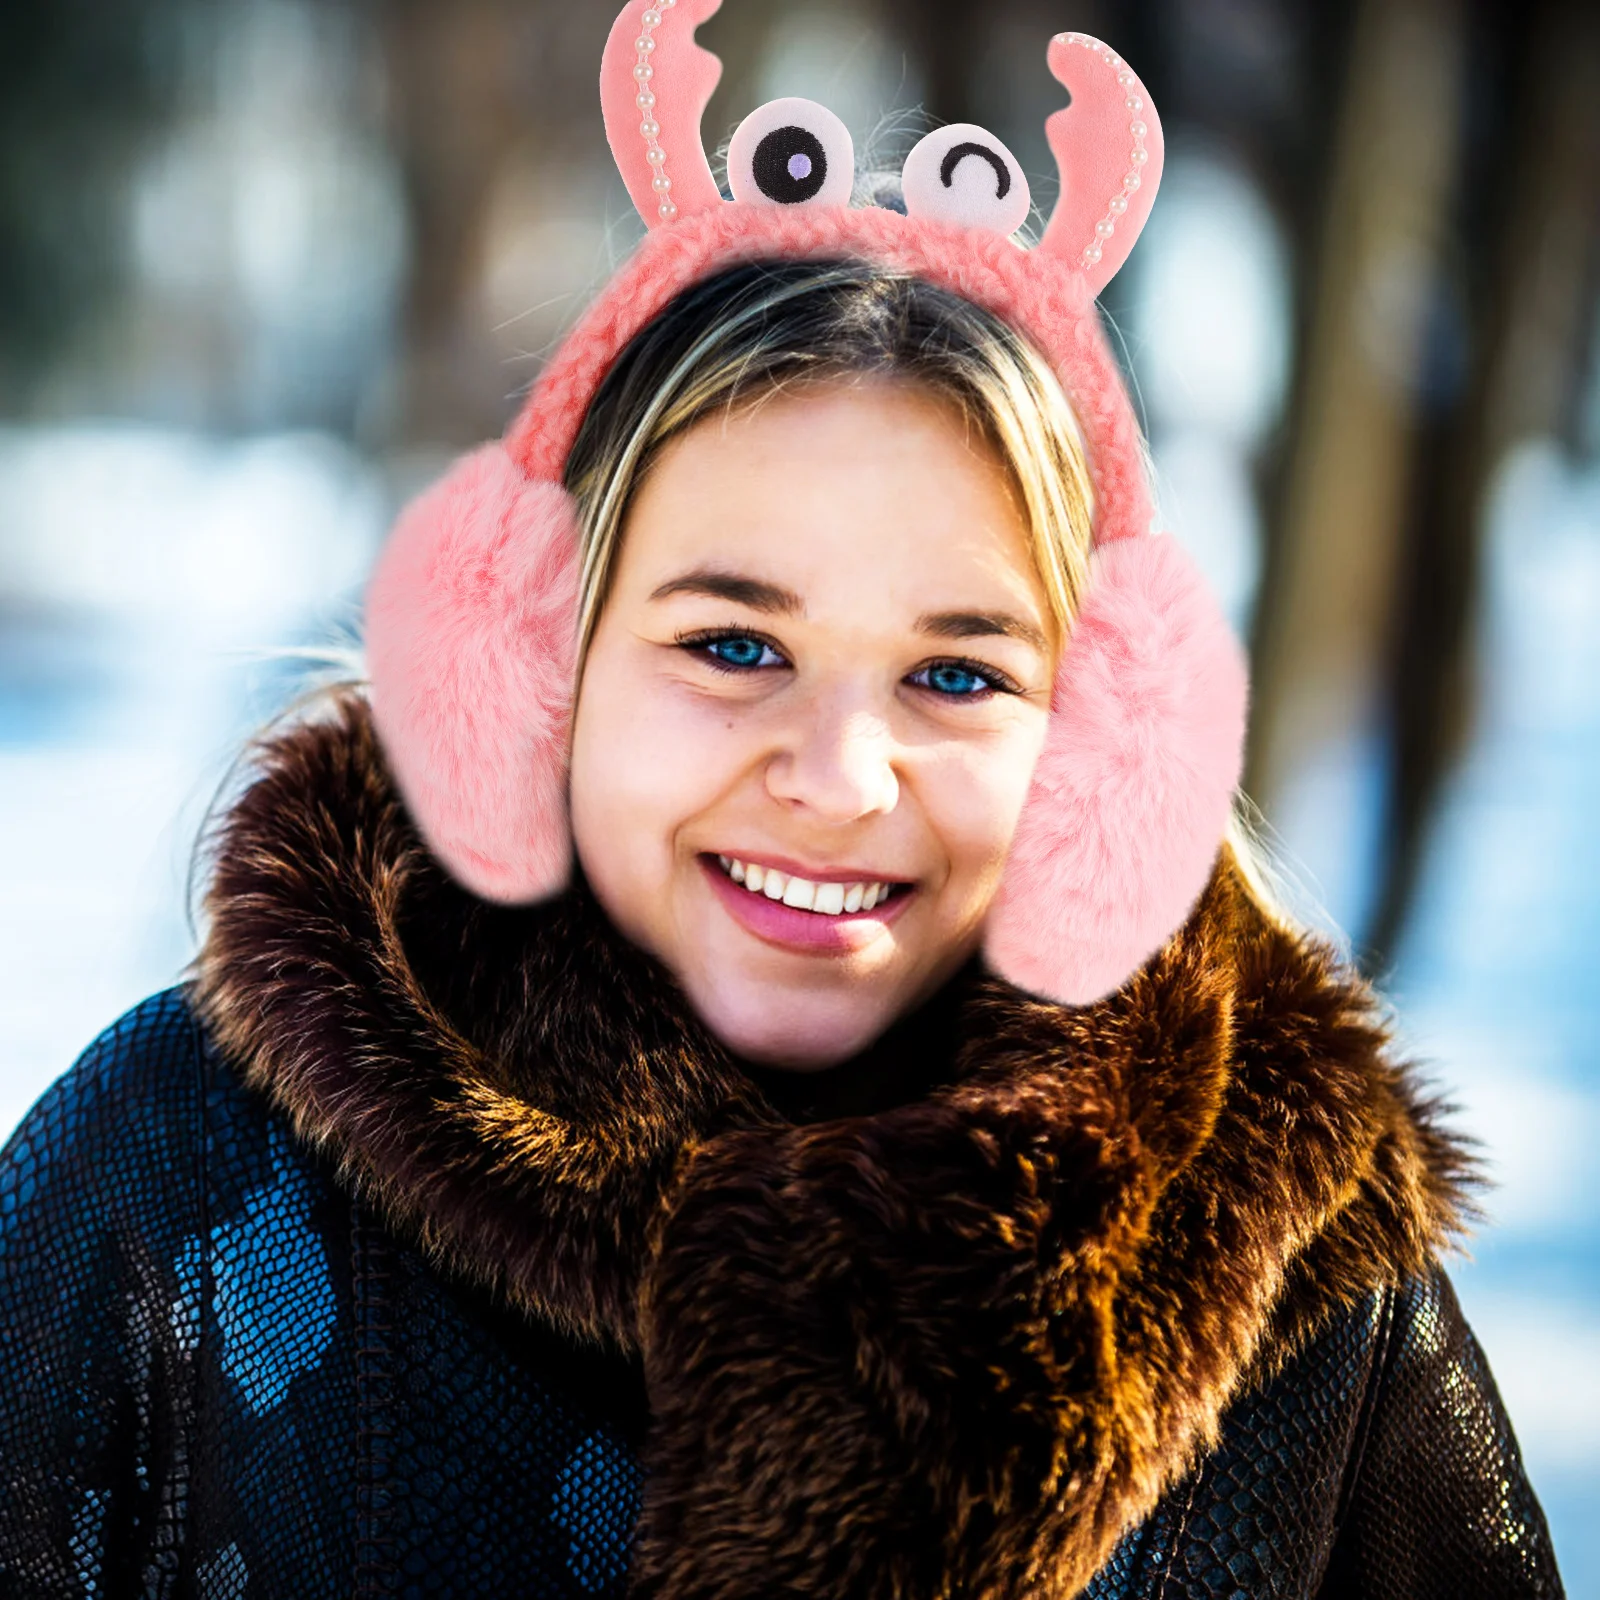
972,798
645,761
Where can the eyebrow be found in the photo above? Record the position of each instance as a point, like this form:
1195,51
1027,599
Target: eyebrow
756,593
775,600
982,625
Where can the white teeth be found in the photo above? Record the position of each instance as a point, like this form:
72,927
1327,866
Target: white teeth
825,899
829,899
800,894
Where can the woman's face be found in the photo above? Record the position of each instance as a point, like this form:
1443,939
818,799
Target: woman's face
810,712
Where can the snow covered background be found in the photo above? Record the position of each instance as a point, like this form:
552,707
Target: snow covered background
154,577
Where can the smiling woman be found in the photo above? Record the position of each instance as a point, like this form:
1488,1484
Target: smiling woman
798,695
820,515
836,521
814,728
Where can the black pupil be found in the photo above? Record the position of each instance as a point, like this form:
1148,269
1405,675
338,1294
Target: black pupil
790,166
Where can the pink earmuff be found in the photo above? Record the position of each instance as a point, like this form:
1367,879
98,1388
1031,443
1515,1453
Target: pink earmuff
472,610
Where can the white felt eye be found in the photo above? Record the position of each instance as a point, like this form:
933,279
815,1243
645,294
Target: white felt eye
792,152
963,174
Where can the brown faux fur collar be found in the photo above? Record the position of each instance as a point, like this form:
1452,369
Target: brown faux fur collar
955,1347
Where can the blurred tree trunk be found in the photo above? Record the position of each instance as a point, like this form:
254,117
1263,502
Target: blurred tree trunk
1530,221
85,88
1329,584
456,111
491,92
740,36
944,38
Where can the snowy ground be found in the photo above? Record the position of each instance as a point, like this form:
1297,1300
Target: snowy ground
142,574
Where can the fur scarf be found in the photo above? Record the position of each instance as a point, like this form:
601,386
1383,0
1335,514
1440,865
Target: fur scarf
954,1347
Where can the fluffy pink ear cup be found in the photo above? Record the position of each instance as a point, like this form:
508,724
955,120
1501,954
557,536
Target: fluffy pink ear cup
1132,792
470,636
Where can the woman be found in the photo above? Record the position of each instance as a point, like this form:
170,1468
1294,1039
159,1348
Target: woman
746,1064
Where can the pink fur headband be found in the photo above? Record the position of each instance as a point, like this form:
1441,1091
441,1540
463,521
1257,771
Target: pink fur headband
472,611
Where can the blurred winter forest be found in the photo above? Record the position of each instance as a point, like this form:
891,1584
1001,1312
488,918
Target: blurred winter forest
265,264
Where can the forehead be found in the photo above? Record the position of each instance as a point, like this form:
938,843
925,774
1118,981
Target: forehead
867,485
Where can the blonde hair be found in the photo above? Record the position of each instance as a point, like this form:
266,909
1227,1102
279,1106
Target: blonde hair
755,331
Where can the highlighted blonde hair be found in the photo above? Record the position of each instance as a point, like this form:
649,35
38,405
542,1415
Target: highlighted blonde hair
757,330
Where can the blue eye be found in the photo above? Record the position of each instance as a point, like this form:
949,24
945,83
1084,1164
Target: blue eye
954,679
740,652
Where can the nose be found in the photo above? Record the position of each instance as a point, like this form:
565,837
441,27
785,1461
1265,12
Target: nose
838,764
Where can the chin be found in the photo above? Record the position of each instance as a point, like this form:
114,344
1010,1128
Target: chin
801,1031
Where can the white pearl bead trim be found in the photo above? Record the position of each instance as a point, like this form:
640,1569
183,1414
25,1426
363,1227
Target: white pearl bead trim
644,74
1138,155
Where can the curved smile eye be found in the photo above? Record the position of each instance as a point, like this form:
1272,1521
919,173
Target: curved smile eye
963,174
792,152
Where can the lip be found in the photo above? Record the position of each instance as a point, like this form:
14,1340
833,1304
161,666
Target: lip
808,931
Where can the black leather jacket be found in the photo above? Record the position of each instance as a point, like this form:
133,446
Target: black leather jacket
223,1377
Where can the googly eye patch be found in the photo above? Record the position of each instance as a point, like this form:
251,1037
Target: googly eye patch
792,152
964,174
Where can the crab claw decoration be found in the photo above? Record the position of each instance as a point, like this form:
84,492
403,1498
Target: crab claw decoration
656,82
472,615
